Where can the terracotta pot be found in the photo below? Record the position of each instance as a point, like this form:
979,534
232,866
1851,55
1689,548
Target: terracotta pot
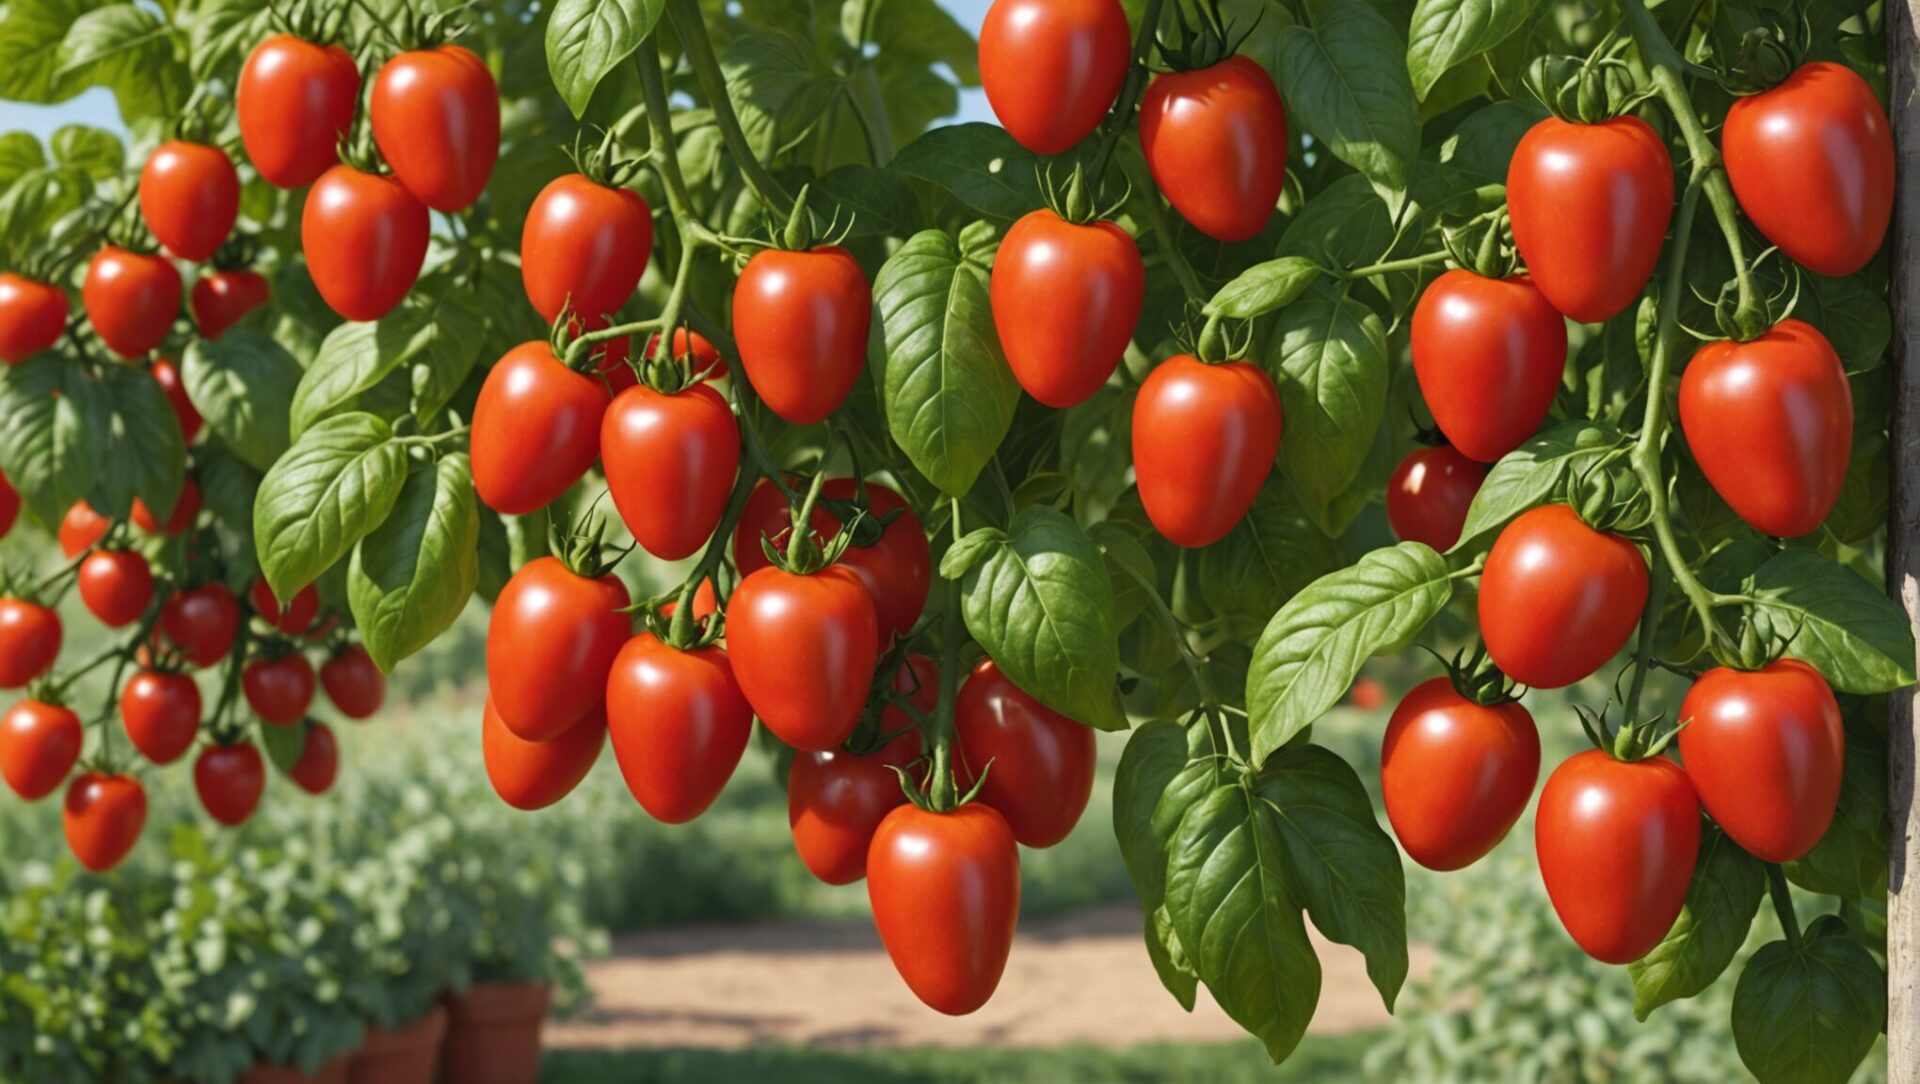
333,1072
409,1054
493,1033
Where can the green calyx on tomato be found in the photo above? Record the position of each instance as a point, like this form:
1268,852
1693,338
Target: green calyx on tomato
583,549
802,232
1634,740
1077,203
1483,245
806,554
1756,46
601,163
1195,45
1475,677
1585,90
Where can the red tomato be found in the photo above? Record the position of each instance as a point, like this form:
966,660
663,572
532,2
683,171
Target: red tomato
279,690
29,641
39,745
1216,141
1770,422
161,713
551,644
319,760
768,516
436,120
1429,494
1367,694
1617,842
33,316
670,462
584,247
531,775
694,350
1204,438
186,508
705,603
294,101
1456,775
897,571
536,430
190,197
230,780
220,299
1558,598
1488,354
167,375
365,239
1066,299
803,650
201,623
1590,204
1811,162
679,725
1764,750
296,618
9,505
1052,68
131,299
103,818
1038,763
801,320
354,684
945,892
116,586
81,529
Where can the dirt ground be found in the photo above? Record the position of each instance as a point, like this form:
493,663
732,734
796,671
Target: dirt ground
1073,979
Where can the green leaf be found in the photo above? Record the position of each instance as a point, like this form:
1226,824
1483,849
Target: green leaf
284,744
1169,958
1852,315
328,492
1269,557
1343,79
880,203
1339,863
107,32
412,575
144,451
1229,899
1264,288
243,384
1850,861
778,87
1345,225
1128,564
94,151
1155,754
1328,354
1809,1014
1721,899
1314,647
964,555
50,446
586,39
949,393
1532,474
1042,606
438,338
1446,33
30,55
980,164
20,154
1834,621
127,49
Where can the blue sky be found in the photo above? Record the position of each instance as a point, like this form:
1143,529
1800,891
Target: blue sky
96,106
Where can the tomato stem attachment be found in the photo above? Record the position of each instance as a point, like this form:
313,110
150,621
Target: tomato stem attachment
1783,903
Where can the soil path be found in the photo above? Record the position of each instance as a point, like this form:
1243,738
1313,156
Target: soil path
1080,978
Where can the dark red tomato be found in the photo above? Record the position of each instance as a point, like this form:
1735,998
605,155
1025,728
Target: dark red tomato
1367,694
536,430
9,505
803,650
1811,162
1764,750
81,529
220,299
945,893
436,120
294,101
230,780
801,320
161,713
1488,354
898,569
1770,422
29,641
1456,775
131,299
201,623
1616,843
364,238
1590,204
1038,763
103,817
33,316
167,375
39,745
768,516
670,462
531,775
1558,598
296,618
1066,299
319,760
186,508
116,586
1204,438
190,197
584,247
694,350
679,725
1216,140
1052,68
1429,494
550,645
354,684
279,690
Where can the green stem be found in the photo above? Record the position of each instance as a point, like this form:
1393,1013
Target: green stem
692,31
663,151
1783,903
1195,665
940,728
1163,235
1649,626
1411,263
680,632
1137,74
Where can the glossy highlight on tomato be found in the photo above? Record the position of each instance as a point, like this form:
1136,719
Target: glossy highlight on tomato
800,322
436,120
39,745
365,239
190,197
319,760
1216,141
1066,299
670,461
33,316
294,101
1037,762
536,430
550,646
131,299
584,246
679,725
945,893
230,780
803,650
1558,598
160,712
530,775
1456,775
201,623
103,817
279,690
219,300
1489,354
116,586
1430,493
354,684
29,641
1765,749
1052,68
81,529
1204,441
